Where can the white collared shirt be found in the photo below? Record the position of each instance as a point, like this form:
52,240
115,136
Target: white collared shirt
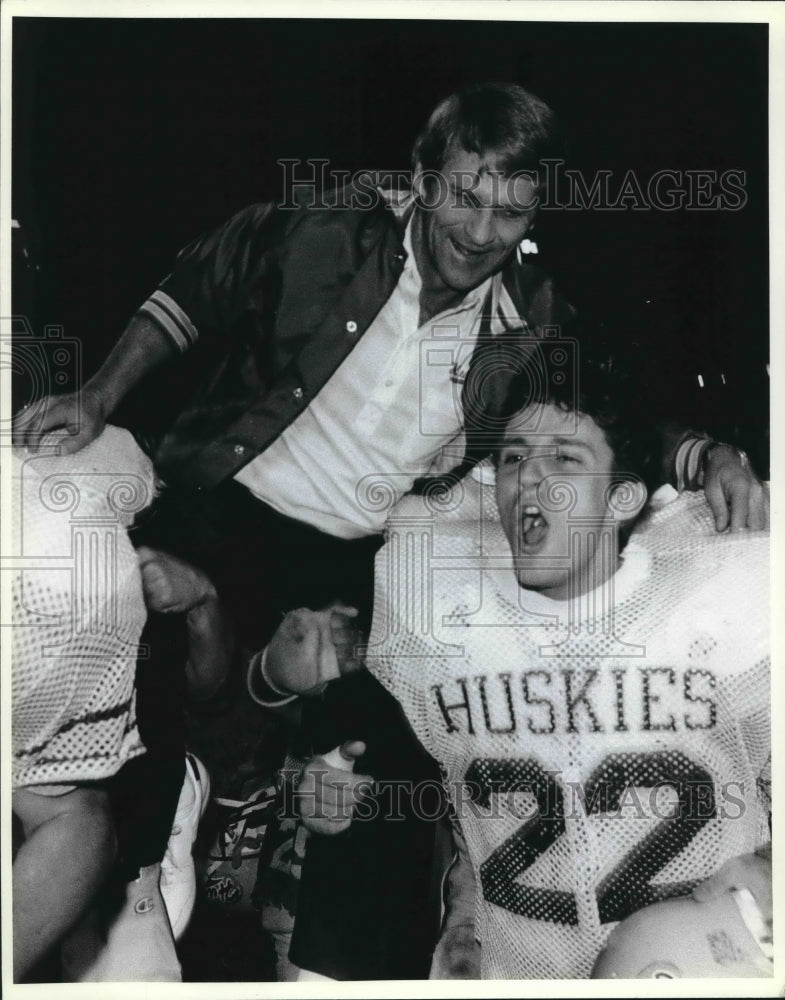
390,414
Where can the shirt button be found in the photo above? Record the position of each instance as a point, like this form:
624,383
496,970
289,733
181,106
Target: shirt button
297,393
351,326
239,449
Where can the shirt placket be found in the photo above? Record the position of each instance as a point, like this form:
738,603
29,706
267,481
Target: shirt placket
389,380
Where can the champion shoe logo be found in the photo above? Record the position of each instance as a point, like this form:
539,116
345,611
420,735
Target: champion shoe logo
145,905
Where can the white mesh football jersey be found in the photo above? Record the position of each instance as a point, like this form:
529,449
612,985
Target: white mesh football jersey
600,758
77,610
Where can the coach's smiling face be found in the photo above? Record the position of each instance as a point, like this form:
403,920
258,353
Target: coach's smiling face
473,217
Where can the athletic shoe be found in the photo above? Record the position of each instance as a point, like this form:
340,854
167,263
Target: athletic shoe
178,878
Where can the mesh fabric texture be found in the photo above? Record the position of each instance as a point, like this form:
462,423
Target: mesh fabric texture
77,610
600,757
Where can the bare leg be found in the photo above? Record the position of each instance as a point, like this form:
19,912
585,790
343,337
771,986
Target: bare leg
68,850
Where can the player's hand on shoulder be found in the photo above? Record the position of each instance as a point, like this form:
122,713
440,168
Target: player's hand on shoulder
327,796
457,954
735,494
81,416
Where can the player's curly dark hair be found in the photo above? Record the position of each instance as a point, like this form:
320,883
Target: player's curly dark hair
604,387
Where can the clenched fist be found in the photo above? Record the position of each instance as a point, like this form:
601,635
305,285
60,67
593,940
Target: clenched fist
311,648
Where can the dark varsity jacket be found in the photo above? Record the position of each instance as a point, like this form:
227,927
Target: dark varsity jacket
283,296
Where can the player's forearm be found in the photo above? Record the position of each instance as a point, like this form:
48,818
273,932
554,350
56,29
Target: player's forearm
284,704
460,888
457,953
211,647
142,348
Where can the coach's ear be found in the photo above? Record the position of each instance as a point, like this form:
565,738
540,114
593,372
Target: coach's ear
626,499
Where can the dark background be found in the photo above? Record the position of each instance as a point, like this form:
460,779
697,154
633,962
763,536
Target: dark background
131,137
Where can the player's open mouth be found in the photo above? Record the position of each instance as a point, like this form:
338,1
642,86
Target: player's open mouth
535,528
